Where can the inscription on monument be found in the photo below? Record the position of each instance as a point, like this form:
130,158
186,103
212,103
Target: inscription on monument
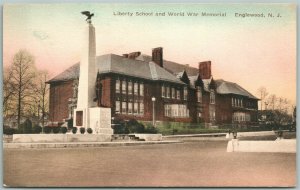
79,118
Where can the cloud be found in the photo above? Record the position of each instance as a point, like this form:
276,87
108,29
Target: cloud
40,35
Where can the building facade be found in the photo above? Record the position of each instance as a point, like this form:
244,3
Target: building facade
128,84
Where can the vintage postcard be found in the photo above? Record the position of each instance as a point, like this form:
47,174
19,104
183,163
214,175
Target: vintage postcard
149,95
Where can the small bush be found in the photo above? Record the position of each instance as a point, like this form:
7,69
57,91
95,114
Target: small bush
9,131
27,126
135,127
90,130
70,123
74,130
47,129
56,130
119,126
37,129
82,130
63,130
150,129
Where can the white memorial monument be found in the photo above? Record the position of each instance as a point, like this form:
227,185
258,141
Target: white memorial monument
88,114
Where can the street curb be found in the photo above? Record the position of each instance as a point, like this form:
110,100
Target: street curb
197,135
85,144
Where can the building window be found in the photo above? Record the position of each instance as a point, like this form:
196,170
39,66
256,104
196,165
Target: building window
185,93
117,86
242,103
232,102
141,108
212,97
135,88
135,108
168,92
141,89
199,94
178,94
212,114
240,117
130,87
124,107
163,91
173,93
129,107
118,106
176,110
123,87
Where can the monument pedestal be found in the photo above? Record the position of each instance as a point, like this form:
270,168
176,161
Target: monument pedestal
96,118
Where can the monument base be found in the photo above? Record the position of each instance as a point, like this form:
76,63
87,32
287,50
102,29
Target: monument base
60,138
96,118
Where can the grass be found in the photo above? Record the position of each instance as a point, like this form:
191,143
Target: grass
176,128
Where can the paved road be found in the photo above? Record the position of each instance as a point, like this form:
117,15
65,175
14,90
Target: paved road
202,163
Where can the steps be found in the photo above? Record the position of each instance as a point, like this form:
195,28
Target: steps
125,137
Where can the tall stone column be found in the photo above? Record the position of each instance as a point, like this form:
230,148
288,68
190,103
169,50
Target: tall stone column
87,79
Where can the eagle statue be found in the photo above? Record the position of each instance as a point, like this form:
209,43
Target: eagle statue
89,15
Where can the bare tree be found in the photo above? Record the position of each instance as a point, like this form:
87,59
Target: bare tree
22,77
272,101
262,91
8,92
42,89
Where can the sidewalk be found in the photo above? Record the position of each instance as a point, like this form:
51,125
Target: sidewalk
197,135
86,144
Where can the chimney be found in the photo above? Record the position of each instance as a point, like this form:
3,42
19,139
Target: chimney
157,56
205,69
134,55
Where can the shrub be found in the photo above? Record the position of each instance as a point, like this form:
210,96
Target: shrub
47,129
90,130
63,130
150,129
70,123
56,130
37,129
135,127
120,127
74,130
9,131
82,130
26,127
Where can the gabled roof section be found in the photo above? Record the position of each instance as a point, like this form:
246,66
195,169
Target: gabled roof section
69,74
196,81
111,63
171,66
183,77
225,87
206,84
